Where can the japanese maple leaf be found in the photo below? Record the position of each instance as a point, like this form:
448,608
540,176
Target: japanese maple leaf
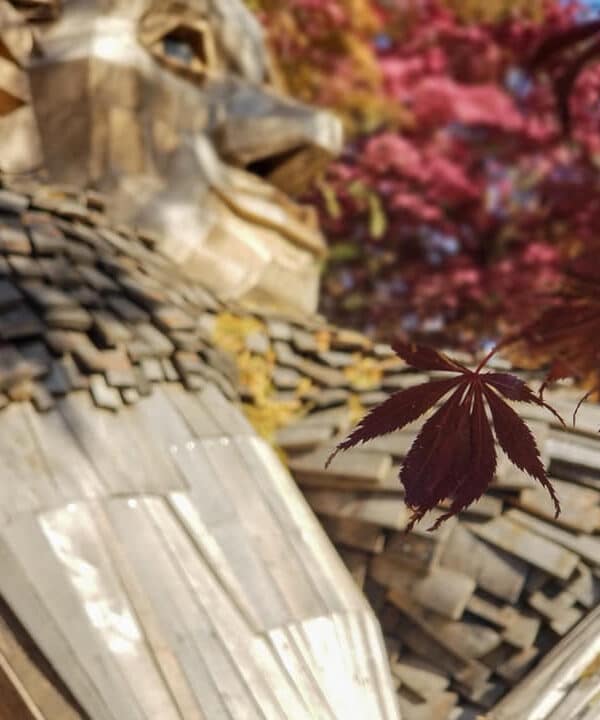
454,455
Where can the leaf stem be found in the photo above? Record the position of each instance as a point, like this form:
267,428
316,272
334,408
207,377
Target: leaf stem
502,344
487,358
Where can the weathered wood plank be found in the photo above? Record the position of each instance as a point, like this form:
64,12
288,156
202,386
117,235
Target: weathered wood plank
354,533
445,591
285,501
518,629
469,641
586,547
346,468
545,686
580,505
562,617
533,548
357,564
385,511
302,437
437,707
415,551
492,570
217,688
425,644
421,676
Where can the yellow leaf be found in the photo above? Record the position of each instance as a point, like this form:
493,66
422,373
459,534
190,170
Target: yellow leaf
231,331
323,338
365,373
356,408
331,202
377,217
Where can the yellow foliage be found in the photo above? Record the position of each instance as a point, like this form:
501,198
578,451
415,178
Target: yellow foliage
270,416
255,375
349,80
231,331
377,217
365,373
265,411
305,387
356,408
494,10
323,339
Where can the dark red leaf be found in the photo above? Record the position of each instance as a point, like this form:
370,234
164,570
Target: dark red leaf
438,458
513,388
453,456
559,370
400,409
481,466
518,443
426,358
588,394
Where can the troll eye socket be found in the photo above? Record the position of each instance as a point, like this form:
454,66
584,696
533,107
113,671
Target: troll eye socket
184,46
178,50
188,49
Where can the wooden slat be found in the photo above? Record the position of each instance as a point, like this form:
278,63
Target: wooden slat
354,533
26,482
420,640
580,508
527,545
346,468
357,564
128,664
255,518
295,520
469,641
302,437
216,687
15,701
486,694
437,707
419,551
546,685
284,499
291,657
514,668
445,591
492,570
562,617
585,587
118,448
199,421
263,682
166,661
518,629
421,676
72,473
385,511
583,695
27,668
44,613
586,547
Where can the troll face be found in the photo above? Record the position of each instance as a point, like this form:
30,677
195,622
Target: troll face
172,109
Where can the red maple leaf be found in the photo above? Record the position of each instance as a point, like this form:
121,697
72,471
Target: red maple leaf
454,455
